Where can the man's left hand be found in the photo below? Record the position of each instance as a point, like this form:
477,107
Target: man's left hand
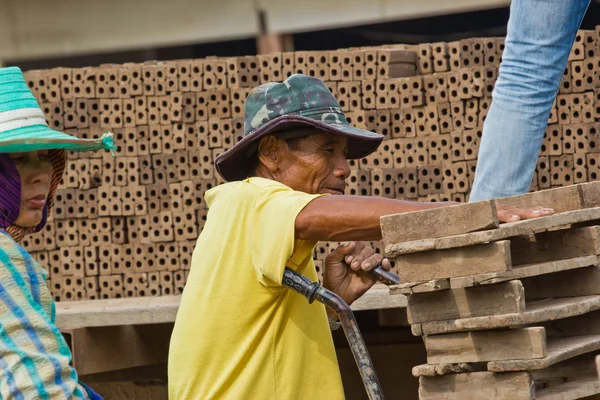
346,270
506,214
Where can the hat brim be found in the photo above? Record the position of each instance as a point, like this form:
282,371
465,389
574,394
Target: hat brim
234,164
40,137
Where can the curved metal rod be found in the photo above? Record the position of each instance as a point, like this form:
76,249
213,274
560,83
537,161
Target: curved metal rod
314,291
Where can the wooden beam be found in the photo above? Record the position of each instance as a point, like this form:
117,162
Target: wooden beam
163,309
523,271
439,222
102,349
445,369
590,194
473,260
467,347
477,386
536,311
555,245
503,298
420,287
558,350
505,231
579,388
571,283
561,199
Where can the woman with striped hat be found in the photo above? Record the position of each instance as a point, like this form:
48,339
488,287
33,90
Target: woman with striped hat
34,357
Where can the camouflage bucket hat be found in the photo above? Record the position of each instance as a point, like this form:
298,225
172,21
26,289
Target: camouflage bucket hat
300,102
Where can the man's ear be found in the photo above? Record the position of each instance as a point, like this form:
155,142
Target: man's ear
269,152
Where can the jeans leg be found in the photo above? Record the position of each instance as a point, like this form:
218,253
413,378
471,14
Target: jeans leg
539,37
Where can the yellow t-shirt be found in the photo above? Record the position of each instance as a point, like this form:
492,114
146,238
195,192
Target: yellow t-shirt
239,334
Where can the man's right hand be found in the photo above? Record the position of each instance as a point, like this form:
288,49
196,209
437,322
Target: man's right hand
346,270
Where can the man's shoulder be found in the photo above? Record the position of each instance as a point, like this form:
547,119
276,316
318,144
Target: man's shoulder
247,189
247,186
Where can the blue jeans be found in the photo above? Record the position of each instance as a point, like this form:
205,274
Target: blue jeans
539,37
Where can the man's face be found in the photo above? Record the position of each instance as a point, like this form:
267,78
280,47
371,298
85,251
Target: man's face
316,164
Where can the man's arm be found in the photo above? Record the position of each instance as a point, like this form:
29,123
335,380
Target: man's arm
339,218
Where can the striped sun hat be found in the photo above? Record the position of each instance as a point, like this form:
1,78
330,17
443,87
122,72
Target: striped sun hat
23,127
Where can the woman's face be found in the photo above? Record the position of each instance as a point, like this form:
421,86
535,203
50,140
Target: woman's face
35,170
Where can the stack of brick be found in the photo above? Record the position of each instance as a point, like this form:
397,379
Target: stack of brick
505,312
128,224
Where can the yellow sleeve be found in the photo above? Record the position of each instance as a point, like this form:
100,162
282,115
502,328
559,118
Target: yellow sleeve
272,230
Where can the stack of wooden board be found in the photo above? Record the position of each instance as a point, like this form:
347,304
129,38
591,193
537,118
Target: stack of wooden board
506,311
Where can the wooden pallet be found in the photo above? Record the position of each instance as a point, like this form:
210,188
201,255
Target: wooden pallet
501,310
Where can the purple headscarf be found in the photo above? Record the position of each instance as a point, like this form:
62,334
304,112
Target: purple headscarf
10,191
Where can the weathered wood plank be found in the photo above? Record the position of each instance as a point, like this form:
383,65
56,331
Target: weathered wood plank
477,386
590,194
131,311
579,325
536,311
567,370
439,222
577,389
555,245
558,350
567,198
524,271
110,348
505,231
577,282
467,347
156,310
503,298
445,369
420,287
378,298
484,258
570,374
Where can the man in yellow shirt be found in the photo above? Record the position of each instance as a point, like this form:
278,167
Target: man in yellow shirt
239,334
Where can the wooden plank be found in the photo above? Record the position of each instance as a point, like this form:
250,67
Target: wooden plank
503,298
477,386
579,325
555,245
484,258
130,311
567,198
445,369
523,271
420,287
577,389
536,311
439,222
102,349
577,282
156,310
590,194
563,379
558,350
566,370
466,347
505,231
378,298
